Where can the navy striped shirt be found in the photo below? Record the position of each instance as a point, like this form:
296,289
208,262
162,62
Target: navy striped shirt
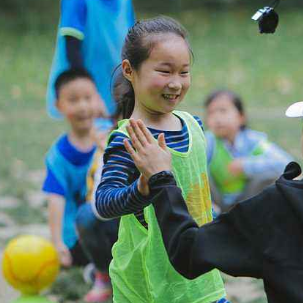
117,193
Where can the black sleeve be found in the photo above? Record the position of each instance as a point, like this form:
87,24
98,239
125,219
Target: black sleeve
194,251
73,52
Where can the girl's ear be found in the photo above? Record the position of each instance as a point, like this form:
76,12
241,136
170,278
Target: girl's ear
127,70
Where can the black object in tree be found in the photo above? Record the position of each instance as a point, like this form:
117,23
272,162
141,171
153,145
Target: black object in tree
268,18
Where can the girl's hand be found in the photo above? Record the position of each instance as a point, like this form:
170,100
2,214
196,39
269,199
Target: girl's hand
150,156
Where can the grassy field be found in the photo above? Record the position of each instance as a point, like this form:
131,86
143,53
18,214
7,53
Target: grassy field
265,69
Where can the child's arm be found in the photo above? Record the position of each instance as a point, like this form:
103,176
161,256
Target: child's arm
269,165
193,251
72,25
118,193
56,205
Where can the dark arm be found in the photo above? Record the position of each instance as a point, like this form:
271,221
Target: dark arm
73,52
194,251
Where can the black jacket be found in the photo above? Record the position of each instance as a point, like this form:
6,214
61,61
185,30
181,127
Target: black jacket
261,237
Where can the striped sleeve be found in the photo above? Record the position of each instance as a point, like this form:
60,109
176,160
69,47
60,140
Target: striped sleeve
200,122
117,193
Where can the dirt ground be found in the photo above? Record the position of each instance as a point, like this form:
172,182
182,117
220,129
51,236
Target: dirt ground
7,294
239,290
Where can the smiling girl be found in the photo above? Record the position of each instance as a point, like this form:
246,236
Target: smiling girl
156,60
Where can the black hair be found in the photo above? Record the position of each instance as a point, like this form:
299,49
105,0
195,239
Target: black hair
234,98
137,48
70,75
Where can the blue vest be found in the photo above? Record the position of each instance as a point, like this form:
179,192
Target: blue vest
106,27
73,180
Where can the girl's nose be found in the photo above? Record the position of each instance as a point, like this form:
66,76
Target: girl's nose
174,85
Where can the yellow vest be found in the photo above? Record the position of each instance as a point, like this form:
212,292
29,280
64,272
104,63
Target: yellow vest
140,269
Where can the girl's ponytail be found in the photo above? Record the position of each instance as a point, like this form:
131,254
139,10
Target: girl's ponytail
124,96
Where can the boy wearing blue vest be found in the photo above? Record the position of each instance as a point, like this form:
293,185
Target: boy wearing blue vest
67,163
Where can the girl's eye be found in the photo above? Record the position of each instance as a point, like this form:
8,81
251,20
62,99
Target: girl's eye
185,73
163,71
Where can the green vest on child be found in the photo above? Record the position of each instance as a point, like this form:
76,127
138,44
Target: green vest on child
140,269
224,180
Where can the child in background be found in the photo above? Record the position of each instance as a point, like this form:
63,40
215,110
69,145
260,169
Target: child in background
68,160
97,245
67,163
241,160
156,60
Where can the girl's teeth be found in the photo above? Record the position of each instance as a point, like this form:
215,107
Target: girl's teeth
170,96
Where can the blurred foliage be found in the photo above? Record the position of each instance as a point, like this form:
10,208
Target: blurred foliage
157,5
16,12
179,5
70,286
64,287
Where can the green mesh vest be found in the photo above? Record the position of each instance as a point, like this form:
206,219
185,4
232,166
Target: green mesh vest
224,180
140,269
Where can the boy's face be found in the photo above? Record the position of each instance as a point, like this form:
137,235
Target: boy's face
77,102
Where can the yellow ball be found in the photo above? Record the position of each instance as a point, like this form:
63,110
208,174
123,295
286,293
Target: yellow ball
30,264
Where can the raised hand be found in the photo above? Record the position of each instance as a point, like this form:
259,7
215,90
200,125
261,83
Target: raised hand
149,155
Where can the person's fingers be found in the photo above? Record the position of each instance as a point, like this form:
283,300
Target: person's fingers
148,135
130,149
133,137
139,134
65,257
66,261
161,141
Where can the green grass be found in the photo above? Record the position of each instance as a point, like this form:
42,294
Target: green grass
265,69
25,214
